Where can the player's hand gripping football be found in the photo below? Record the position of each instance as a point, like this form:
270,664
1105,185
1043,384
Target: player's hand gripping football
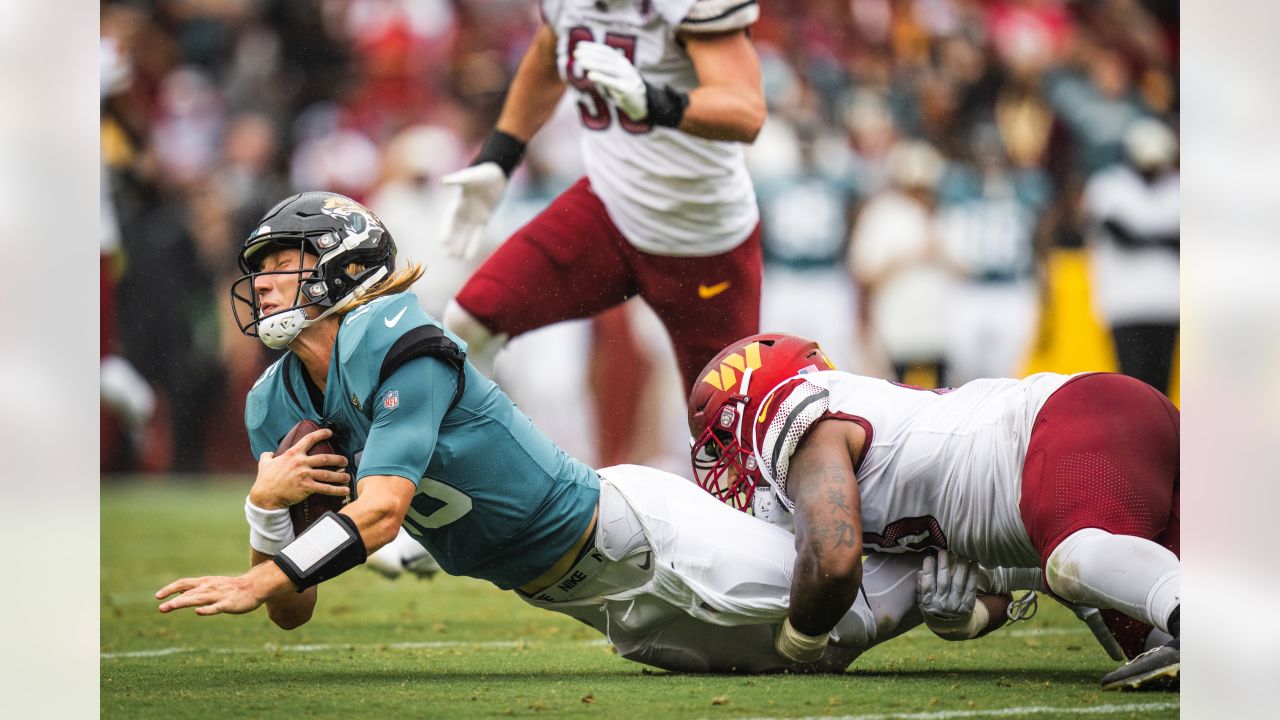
480,188
610,70
288,478
944,592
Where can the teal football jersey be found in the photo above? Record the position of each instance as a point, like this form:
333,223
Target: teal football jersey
495,498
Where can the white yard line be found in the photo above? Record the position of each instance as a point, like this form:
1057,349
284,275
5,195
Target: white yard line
1000,712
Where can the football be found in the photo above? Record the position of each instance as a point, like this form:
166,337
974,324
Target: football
310,510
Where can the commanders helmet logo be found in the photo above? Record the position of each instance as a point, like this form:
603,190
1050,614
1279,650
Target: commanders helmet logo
726,376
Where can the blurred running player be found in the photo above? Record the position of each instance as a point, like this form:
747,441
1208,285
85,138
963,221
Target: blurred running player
667,90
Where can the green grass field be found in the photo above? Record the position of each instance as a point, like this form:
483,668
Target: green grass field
456,647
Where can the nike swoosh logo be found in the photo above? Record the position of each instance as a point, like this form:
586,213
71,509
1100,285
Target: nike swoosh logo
648,561
706,293
391,321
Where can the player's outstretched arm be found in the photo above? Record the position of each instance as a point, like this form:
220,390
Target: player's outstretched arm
828,523
381,503
287,610
728,103
346,538
532,99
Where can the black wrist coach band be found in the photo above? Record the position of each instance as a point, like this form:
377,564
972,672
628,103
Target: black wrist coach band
666,105
503,149
330,547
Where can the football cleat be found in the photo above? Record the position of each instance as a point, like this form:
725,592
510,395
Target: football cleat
424,566
401,555
1155,669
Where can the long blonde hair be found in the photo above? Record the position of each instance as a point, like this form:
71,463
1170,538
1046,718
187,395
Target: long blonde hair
397,282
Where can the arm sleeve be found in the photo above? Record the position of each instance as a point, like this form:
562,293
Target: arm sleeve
409,407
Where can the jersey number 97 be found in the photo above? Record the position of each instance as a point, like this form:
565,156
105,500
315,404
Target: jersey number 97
592,106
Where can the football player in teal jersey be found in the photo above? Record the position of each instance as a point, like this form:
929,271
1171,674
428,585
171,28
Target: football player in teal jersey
442,450
670,575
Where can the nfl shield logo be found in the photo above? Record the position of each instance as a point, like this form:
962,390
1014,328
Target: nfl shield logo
391,400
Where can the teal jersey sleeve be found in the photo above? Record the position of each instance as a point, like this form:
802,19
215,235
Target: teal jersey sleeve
408,408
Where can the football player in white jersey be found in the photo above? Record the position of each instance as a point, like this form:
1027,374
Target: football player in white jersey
1075,475
668,91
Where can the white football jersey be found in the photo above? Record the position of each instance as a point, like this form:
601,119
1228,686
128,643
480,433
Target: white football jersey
668,192
940,469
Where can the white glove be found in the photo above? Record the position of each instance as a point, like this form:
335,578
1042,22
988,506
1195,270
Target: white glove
480,188
944,592
610,70
948,598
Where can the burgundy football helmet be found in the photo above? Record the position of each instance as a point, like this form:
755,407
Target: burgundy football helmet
725,401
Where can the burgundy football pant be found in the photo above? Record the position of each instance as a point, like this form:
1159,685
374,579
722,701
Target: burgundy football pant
1104,454
571,262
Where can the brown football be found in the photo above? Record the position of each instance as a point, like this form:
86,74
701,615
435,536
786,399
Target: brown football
310,510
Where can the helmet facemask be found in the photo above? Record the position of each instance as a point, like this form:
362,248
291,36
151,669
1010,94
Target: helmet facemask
279,328
352,253
723,411
722,464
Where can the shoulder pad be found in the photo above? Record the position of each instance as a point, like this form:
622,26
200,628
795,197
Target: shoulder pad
427,341
713,16
368,333
785,416
379,337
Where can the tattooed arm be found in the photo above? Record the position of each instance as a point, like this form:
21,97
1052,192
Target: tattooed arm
828,526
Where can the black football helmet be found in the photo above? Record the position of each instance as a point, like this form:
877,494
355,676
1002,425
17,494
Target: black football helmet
353,251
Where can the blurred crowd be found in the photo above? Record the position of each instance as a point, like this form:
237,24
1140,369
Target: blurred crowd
923,164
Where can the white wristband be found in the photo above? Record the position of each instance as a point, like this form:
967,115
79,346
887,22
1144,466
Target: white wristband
269,530
963,628
798,647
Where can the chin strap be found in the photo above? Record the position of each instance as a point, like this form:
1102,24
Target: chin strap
281,329
742,405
